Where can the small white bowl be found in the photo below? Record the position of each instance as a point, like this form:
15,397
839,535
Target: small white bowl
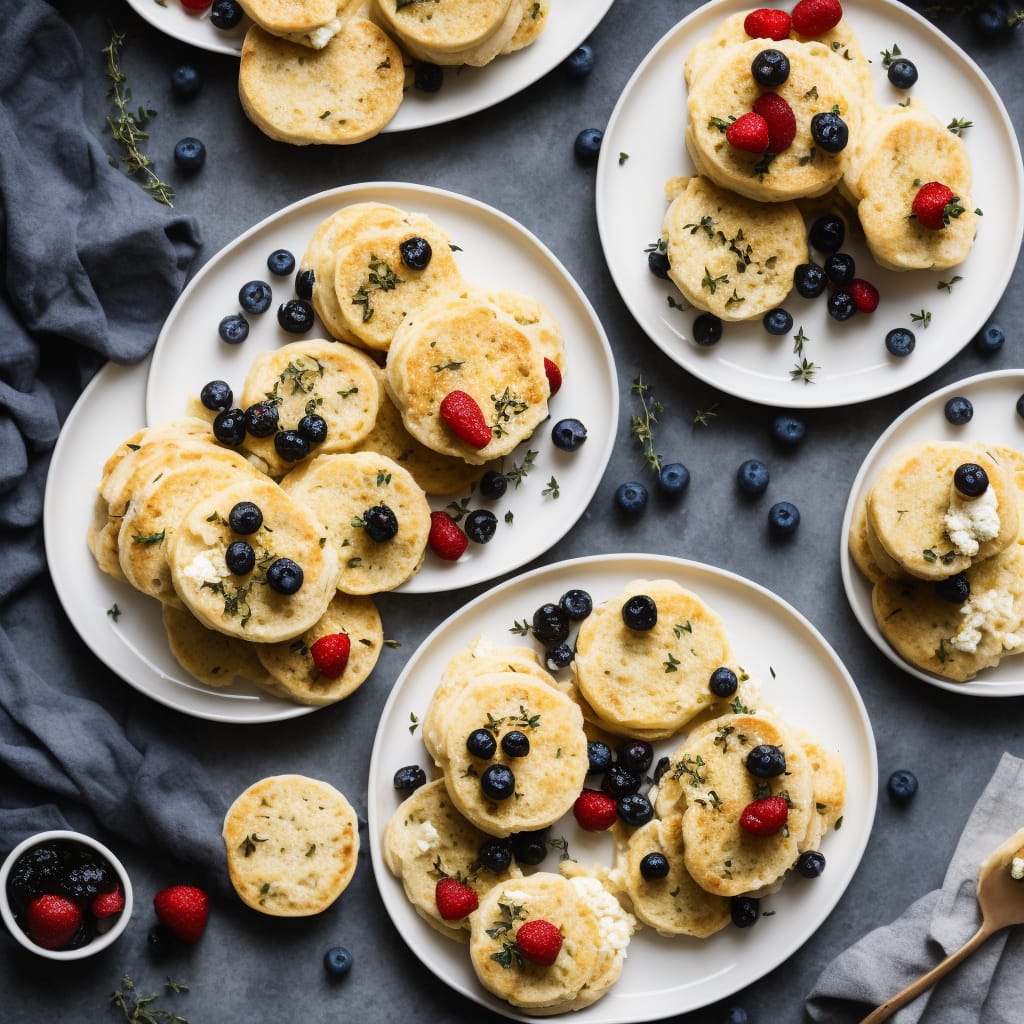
102,939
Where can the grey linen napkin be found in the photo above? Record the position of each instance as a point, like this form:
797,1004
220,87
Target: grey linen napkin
988,987
91,265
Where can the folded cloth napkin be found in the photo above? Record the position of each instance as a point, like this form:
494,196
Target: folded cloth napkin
91,266
988,987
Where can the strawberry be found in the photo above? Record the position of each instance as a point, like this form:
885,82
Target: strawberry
934,204
595,811
539,941
196,5
865,295
183,910
446,540
779,117
748,132
816,17
330,654
106,904
454,899
765,817
767,23
52,921
553,374
465,419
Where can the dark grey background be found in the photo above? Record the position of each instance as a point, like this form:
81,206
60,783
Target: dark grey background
518,157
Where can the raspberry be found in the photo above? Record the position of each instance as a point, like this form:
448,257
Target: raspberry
465,419
748,132
595,811
765,817
767,23
553,374
934,204
816,17
539,941
454,899
781,120
52,921
446,540
865,295
330,654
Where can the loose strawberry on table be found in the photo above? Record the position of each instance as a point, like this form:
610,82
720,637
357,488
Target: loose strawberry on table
184,910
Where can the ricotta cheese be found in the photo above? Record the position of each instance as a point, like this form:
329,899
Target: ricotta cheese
970,521
426,837
207,567
317,38
616,926
987,612
1017,869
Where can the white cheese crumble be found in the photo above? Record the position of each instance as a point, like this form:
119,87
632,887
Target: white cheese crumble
616,926
426,837
317,38
1017,868
970,521
207,567
987,612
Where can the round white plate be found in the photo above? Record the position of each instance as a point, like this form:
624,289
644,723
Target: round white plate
135,644
465,91
995,421
800,676
494,251
643,147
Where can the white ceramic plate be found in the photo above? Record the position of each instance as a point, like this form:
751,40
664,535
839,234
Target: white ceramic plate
495,251
995,421
465,91
853,365
800,676
135,645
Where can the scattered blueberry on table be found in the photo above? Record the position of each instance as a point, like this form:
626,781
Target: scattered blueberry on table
587,145
190,154
752,477
580,62
989,339
186,81
783,519
787,430
338,961
673,479
902,785
631,498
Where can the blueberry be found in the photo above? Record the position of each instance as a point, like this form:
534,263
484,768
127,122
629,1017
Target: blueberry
770,68
255,296
495,855
587,145
295,316
744,910
783,519
1020,406
707,329
416,252
619,781
284,576
828,233
428,77
636,755
559,656
841,305
673,478
550,624
810,864
216,395
245,517
723,682
409,778
580,62
186,81
902,73
291,445
233,329
787,430
568,435
634,809
752,477
766,761
313,428
736,1015
281,263
481,743
992,20
959,410
840,268
304,281
497,782
970,480
189,154
829,131
380,523
261,418
955,589
515,744
653,866
902,785
240,558
640,613
631,498
599,756
577,604
529,847
481,525
493,484
657,263
225,14
809,280
989,339
229,427
777,321
337,961
900,342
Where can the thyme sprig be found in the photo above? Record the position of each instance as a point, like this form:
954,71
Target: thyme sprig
642,425
138,1009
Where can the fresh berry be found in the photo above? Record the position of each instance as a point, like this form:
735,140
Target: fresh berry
765,817
337,961
515,744
255,296
841,305
810,864
284,576
216,395
636,755
558,657
296,316
495,855
245,517
240,558
767,23
446,540
766,761
900,342
587,145
186,81
595,811
313,428
779,117
749,133
261,418
416,252
580,62
830,131
736,1015
550,623
577,604
787,430
816,17
304,281
183,909
52,921
902,73
481,743
653,866
864,295
454,899
673,479
380,523
635,809
291,445
233,329
539,941
568,435
497,782
599,756
989,339
481,525
631,498
783,519
770,68
428,77
465,419
493,485
902,785
934,205
553,374
828,232
954,589
619,781
752,477
970,480
657,262
330,654
707,329
744,911
1020,406
993,20
640,613
959,410
409,778
529,848
809,279
106,904
840,269
189,154
281,263
229,427
195,5
723,682
777,322
225,14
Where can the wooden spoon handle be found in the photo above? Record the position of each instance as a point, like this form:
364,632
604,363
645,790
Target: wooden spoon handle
891,1005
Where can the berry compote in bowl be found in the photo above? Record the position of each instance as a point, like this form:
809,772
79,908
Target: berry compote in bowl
64,895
